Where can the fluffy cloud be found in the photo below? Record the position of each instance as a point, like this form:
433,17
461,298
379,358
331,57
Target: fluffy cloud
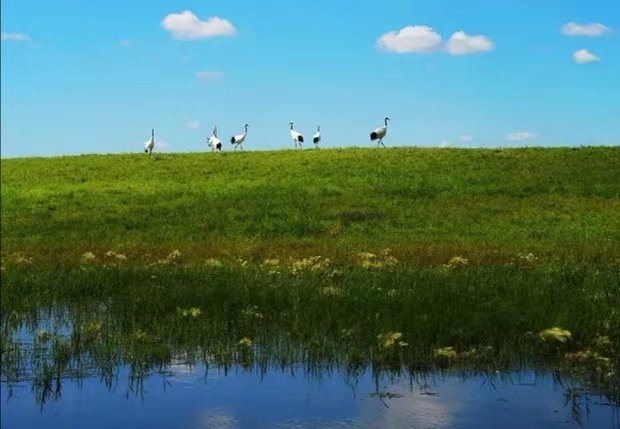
444,143
466,138
210,75
423,39
187,26
14,37
592,29
193,125
461,44
522,135
416,38
583,56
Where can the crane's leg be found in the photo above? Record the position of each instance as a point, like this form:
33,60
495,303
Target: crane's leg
382,142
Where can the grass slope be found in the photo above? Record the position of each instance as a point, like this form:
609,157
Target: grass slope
427,205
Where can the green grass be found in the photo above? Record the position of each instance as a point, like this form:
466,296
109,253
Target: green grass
321,258
97,317
427,205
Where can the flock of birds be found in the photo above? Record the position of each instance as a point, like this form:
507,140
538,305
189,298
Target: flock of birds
216,144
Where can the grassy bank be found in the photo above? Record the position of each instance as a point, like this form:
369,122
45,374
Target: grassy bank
427,205
389,259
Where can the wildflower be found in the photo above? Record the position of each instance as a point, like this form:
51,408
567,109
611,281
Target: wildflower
88,256
371,260
555,334
391,339
313,263
191,312
117,256
245,342
527,258
212,262
445,353
172,258
242,262
457,261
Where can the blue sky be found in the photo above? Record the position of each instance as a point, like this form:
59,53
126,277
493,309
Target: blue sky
94,77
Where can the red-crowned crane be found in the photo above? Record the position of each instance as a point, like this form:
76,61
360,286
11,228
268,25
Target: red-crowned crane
316,138
238,140
297,137
379,133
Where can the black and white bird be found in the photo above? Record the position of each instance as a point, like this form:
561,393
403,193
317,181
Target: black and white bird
316,138
238,140
297,137
150,143
379,133
213,141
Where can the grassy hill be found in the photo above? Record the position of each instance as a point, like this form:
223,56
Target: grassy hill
427,205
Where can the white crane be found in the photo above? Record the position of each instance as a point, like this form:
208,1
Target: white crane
297,137
213,141
238,140
379,133
150,143
316,138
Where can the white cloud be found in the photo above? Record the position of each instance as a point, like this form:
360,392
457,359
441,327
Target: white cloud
127,42
14,37
210,75
423,39
444,143
522,135
461,43
193,125
187,26
466,138
416,38
592,29
583,56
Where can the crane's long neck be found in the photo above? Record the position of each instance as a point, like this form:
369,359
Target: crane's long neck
152,133
291,125
385,121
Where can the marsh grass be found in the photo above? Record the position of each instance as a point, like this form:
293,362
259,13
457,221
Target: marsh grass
310,313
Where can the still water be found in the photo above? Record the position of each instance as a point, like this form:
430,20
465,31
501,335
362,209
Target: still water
194,397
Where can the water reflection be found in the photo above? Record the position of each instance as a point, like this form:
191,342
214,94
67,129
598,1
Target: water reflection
197,397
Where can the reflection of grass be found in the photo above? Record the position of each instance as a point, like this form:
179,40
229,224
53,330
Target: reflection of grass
281,314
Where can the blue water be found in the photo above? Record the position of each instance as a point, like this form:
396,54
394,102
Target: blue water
187,397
